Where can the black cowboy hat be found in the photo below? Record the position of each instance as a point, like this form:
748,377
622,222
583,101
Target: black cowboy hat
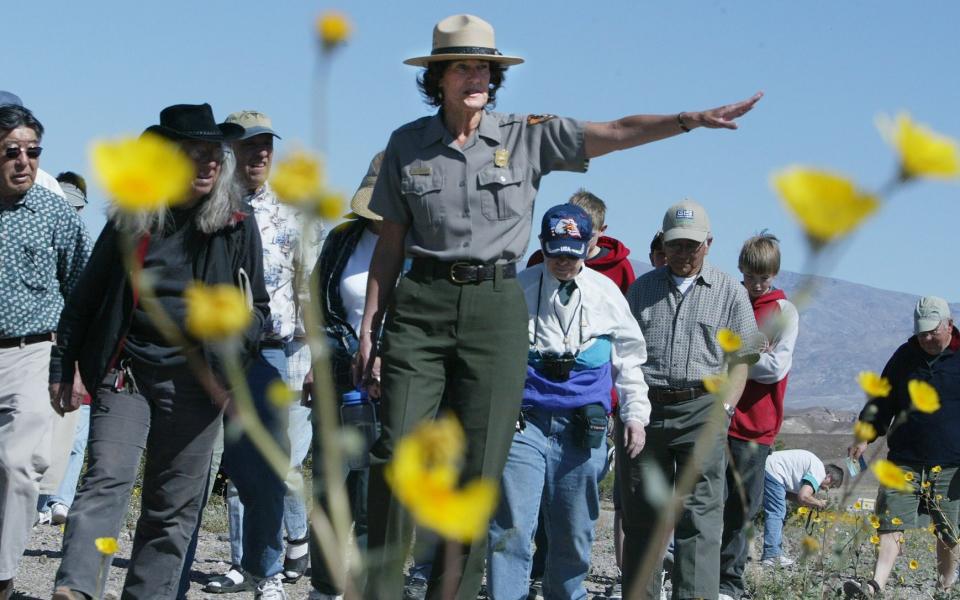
194,122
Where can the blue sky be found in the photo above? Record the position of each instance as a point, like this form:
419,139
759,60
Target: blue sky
95,69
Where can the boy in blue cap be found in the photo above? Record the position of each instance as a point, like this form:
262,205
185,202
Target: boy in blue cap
583,341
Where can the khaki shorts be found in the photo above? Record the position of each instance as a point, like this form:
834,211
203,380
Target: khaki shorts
940,501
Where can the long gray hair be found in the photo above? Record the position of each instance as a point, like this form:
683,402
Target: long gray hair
217,210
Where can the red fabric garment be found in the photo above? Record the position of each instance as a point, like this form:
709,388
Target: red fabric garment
613,263
759,414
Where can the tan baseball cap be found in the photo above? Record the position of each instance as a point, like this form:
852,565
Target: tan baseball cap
928,314
253,123
360,203
686,220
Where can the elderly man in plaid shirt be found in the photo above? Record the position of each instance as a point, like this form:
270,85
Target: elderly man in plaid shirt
680,308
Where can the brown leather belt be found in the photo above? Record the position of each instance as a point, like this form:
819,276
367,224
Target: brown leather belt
669,395
26,339
461,272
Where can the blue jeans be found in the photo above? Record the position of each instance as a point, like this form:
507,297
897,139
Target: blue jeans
294,510
68,485
546,470
774,513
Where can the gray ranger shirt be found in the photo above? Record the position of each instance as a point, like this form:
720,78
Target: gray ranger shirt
473,203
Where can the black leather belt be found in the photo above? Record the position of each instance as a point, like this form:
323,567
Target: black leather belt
26,339
668,395
461,272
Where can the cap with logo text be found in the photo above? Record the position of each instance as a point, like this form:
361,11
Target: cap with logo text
686,220
565,230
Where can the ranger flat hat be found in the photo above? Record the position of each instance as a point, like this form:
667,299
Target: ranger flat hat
194,122
463,37
360,203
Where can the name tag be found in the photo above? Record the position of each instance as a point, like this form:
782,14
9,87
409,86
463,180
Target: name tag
421,171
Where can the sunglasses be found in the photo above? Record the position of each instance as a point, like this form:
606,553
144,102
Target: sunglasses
14,151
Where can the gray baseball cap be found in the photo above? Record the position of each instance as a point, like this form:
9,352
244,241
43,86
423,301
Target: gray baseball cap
9,98
686,220
928,314
253,123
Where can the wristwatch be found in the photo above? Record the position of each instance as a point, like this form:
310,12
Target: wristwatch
729,409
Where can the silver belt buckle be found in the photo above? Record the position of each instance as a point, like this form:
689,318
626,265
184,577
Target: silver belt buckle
453,276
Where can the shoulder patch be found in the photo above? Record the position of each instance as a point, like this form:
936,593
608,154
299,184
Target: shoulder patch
538,119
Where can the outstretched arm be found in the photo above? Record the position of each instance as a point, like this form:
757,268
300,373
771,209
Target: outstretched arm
603,138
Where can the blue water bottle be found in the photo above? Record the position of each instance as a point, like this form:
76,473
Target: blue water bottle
357,411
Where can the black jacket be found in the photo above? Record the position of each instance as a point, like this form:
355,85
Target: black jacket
923,439
97,314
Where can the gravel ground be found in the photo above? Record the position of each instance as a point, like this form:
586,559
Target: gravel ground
35,577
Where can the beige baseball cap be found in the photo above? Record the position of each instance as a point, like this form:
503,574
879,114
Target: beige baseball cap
928,314
253,123
686,220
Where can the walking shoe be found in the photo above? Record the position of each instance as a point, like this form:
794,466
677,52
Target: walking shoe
777,561
866,589
318,595
416,589
234,580
536,590
271,588
296,559
725,597
43,518
58,513
614,592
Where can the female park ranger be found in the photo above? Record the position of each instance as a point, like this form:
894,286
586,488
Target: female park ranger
456,193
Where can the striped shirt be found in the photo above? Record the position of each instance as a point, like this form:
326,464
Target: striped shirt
681,329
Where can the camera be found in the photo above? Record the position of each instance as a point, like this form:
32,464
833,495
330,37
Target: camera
557,367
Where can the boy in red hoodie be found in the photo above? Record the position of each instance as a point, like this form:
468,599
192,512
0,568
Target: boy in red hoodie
607,255
759,413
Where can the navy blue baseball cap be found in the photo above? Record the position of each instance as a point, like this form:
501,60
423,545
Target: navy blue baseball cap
566,230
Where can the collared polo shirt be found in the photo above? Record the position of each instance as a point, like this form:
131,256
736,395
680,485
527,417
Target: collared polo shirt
473,203
681,329
43,248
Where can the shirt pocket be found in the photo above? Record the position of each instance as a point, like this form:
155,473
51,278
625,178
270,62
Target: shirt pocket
502,193
424,197
706,350
38,267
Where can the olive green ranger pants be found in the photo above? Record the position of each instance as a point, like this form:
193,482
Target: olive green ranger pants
468,342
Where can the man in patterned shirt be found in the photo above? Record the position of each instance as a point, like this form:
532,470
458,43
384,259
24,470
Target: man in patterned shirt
43,249
680,308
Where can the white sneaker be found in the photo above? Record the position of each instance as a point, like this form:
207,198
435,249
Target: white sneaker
315,595
777,561
43,518
58,513
271,588
725,597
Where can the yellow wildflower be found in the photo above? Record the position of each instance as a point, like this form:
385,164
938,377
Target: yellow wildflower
729,340
143,173
925,485
297,178
936,469
864,432
874,539
423,475
828,206
810,544
923,152
874,521
216,311
923,395
939,497
896,521
857,505
874,385
333,28
106,545
913,564
803,510
931,528
279,394
890,475
714,383
908,476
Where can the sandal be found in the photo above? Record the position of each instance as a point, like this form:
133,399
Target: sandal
296,559
234,580
868,589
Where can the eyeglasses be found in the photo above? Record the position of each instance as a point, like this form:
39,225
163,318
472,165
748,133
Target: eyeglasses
683,246
13,152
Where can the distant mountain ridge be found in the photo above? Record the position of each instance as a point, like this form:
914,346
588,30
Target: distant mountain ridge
846,328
